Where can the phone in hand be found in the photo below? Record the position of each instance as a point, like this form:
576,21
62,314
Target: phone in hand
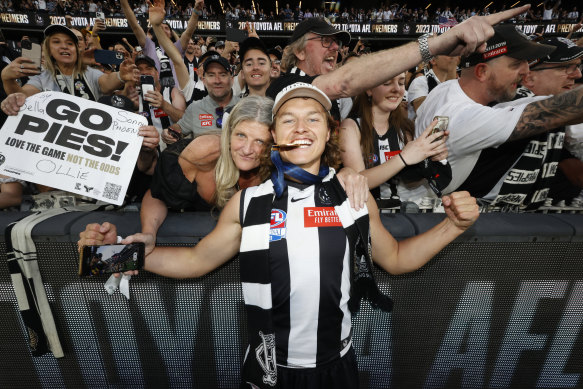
100,15
32,51
236,35
147,83
441,126
109,57
113,258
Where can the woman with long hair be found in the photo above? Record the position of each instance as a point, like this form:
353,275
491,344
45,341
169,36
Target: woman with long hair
377,138
199,174
65,70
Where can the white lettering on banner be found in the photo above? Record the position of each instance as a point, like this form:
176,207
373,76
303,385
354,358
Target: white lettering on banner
209,25
62,141
527,28
14,18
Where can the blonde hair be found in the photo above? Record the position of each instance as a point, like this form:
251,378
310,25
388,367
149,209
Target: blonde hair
255,108
51,64
289,59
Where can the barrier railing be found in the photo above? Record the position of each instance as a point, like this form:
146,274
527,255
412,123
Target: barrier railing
502,306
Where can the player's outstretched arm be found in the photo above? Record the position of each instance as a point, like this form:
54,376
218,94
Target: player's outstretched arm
220,245
410,254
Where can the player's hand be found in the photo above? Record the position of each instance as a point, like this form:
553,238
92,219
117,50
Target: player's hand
461,209
425,146
97,234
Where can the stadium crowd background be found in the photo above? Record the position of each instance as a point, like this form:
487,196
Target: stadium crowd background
443,15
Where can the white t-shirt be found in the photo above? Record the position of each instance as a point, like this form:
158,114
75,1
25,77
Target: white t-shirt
46,82
472,126
574,140
418,88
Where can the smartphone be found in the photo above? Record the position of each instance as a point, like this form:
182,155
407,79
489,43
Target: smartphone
442,123
235,35
147,83
113,258
108,57
100,15
31,51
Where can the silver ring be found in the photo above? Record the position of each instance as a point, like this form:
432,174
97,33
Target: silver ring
21,66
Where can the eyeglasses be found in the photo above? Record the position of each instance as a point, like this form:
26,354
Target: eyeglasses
572,68
327,41
277,62
219,112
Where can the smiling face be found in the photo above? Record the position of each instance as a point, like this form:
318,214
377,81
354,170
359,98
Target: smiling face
63,49
256,68
275,66
248,140
388,96
316,59
302,121
217,81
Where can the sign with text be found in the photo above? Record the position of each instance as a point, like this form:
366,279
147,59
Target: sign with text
72,144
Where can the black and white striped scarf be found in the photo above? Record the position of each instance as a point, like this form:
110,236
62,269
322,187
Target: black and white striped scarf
260,366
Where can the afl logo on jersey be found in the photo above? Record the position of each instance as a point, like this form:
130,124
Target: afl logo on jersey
277,227
373,158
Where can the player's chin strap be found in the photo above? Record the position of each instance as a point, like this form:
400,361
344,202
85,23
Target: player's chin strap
293,171
122,283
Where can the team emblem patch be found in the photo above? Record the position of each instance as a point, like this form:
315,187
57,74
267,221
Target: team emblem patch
277,228
79,85
373,158
324,196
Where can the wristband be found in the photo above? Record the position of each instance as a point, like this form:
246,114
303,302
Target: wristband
199,13
119,78
403,159
424,48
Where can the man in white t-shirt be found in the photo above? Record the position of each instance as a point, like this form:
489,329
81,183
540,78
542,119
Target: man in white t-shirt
490,77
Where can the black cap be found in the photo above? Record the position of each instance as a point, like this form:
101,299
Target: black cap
57,28
250,44
220,44
321,27
216,58
275,52
510,41
117,101
145,58
566,50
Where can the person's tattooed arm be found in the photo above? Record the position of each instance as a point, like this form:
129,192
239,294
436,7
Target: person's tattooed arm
554,112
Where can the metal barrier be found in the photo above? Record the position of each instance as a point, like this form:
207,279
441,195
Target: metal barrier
502,306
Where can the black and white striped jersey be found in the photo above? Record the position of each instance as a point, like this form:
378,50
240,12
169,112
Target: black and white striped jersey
310,277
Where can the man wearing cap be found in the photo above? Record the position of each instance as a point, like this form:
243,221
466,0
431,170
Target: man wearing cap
524,172
164,105
312,54
306,255
207,114
488,78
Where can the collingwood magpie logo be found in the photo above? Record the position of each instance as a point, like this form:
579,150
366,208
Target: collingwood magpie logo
265,354
2,159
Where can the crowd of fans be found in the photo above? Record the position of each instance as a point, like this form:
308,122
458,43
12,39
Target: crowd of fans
208,77
385,12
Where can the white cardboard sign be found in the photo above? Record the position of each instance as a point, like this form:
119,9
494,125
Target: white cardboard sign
72,144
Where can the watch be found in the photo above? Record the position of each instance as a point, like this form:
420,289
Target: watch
424,48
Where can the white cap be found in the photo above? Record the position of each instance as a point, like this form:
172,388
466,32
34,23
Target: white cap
301,89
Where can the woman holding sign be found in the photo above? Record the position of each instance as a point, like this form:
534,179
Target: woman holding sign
65,70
